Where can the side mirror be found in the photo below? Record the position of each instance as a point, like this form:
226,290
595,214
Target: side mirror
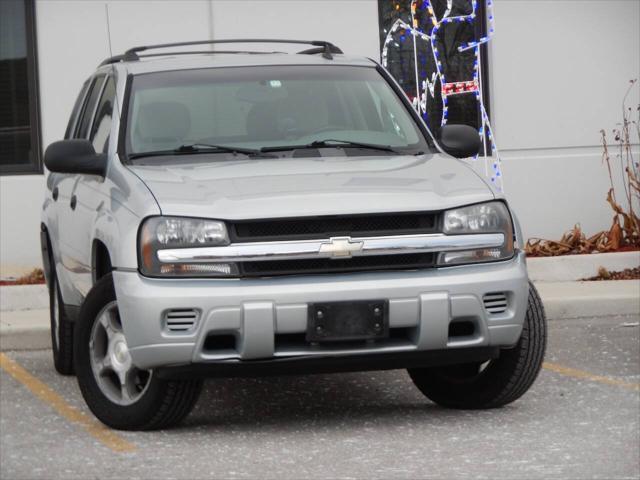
460,141
75,156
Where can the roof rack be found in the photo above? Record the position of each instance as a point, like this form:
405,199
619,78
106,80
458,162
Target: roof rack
321,46
120,58
110,60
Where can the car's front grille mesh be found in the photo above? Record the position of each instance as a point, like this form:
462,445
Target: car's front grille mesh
326,227
327,265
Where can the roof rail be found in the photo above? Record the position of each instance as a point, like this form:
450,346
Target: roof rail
327,47
320,46
315,50
120,58
110,60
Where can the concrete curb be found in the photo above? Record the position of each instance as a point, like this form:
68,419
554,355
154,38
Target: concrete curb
567,268
29,329
23,297
590,299
25,330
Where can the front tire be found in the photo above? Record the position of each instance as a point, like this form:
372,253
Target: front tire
498,382
118,393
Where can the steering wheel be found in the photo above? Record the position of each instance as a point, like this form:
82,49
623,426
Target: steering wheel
327,128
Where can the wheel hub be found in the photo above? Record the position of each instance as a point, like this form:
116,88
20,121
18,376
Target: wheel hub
119,352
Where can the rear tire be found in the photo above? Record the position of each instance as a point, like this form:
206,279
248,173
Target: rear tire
120,395
501,381
61,330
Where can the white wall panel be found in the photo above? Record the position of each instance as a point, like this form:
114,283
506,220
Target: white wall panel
551,190
20,205
350,24
559,70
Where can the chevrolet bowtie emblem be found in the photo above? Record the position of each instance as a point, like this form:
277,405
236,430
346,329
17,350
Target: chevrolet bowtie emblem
341,247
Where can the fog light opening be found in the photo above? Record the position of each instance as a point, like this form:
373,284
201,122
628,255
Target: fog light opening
463,328
217,342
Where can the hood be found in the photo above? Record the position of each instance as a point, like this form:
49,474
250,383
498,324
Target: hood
294,187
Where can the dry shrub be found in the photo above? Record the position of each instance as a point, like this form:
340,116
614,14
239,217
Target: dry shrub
626,274
33,277
624,233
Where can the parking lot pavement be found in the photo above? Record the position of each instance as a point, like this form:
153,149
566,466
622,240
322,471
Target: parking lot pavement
580,420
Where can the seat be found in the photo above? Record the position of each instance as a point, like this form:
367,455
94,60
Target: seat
262,122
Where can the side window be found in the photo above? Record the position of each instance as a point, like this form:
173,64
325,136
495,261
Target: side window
89,107
75,113
101,129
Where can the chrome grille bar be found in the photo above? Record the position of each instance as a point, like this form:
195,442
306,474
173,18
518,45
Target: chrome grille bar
333,248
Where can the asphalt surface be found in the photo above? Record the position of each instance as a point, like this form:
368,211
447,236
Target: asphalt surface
581,419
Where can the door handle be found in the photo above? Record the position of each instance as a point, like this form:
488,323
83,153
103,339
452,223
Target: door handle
74,201
54,193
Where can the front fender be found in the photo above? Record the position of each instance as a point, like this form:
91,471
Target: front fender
127,202
520,242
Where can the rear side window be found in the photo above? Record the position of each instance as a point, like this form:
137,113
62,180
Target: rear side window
76,111
101,129
89,107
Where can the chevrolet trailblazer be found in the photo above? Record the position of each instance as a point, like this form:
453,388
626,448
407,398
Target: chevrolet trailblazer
236,213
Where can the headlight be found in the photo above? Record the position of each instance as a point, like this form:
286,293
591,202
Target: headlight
159,233
491,217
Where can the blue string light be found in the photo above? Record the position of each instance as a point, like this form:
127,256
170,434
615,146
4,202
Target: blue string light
412,31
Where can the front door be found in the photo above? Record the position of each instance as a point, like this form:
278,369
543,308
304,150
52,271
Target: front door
73,264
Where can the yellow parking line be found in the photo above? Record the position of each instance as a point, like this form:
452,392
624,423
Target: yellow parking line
572,372
46,394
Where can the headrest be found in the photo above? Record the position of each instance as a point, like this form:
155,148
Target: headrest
262,122
163,120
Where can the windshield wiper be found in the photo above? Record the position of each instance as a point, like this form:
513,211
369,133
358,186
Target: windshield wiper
330,142
195,148
207,148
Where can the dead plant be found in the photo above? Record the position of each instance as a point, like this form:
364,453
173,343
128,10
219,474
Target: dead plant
624,233
34,277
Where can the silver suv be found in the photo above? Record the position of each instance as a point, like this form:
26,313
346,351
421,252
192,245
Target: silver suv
237,213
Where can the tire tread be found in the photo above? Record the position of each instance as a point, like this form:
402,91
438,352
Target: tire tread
62,352
504,381
167,402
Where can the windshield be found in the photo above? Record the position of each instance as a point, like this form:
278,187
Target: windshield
307,109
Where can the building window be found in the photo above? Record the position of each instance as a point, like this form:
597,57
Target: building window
20,151
420,62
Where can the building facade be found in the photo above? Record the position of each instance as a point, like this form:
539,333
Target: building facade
557,72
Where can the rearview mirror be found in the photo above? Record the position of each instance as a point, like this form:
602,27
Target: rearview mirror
460,141
75,156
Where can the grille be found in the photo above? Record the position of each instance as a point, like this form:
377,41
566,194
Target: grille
180,320
325,227
495,302
325,265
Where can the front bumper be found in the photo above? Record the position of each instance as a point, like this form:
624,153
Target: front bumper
267,317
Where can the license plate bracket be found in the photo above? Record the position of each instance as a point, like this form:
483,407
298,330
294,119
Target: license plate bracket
347,321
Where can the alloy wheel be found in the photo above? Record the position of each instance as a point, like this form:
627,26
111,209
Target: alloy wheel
118,379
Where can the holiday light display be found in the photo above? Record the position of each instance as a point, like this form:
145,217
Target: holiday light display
429,32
